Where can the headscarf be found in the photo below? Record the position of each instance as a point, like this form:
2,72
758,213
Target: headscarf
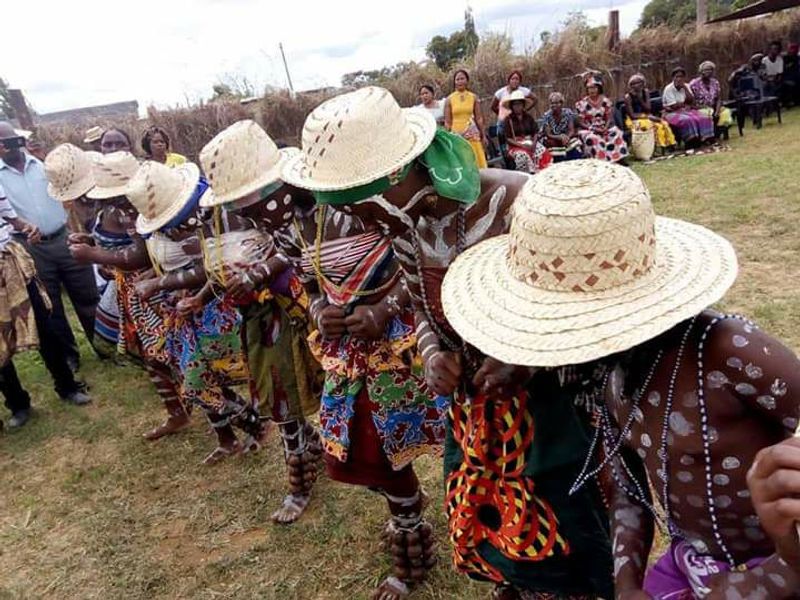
636,77
706,64
555,96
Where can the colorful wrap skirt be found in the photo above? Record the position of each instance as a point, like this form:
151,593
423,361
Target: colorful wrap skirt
663,133
689,124
378,384
17,321
509,467
142,330
206,348
107,320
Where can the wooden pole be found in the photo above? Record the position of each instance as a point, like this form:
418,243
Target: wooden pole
613,30
702,13
286,68
17,100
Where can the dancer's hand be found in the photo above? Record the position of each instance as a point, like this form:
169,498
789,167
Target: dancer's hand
774,482
82,252
331,322
443,372
189,306
241,285
147,289
496,378
367,321
80,238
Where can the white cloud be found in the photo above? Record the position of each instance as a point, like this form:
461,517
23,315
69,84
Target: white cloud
169,52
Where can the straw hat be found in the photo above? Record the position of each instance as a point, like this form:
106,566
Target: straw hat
93,134
112,173
356,138
69,172
517,96
240,160
159,193
586,271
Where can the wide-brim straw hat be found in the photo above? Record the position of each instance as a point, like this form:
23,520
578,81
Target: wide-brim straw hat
112,172
586,271
240,160
517,96
357,138
69,172
93,134
159,193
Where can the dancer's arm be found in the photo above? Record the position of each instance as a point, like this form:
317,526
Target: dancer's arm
130,258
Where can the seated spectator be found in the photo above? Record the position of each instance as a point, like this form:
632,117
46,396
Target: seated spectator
155,143
708,95
687,122
513,84
639,115
791,75
427,100
522,135
601,138
754,69
773,69
559,132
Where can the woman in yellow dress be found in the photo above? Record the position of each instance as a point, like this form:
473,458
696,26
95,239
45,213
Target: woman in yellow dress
639,116
462,115
156,146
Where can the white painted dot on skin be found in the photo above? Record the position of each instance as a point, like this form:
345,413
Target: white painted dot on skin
654,398
642,453
670,439
287,215
777,580
696,502
721,479
674,499
735,363
700,546
745,389
685,476
687,460
731,462
748,328
779,387
716,380
722,501
713,435
753,371
619,563
690,399
287,199
628,435
790,423
740,341
767,351
272,205
679,425
743,493
638,415
767,402
646,441
751,521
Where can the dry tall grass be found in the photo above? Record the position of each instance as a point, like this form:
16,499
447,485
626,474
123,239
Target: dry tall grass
556,65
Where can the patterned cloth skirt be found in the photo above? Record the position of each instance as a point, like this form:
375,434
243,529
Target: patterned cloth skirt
377,414
609,145
690,124
17,321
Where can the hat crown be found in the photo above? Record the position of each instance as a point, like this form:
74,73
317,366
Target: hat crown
352,133
155,189
238,156
115,169
582,226
65,166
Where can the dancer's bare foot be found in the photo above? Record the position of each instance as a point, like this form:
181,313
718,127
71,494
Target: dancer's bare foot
254,443
293,506
172,425
391,589
220,453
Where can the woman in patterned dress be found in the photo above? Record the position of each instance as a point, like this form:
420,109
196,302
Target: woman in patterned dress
708,95
559,131
601,138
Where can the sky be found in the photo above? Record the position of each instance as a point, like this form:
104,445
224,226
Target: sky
171,52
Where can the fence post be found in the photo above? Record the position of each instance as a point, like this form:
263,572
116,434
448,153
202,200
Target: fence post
612,37
702,13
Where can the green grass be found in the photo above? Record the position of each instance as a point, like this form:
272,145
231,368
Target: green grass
89,510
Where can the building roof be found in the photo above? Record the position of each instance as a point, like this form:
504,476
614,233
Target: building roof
90,113
764,7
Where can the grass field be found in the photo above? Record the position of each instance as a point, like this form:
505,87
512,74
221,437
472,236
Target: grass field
89,510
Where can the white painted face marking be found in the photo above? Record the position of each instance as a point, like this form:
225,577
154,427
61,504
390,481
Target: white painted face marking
740,341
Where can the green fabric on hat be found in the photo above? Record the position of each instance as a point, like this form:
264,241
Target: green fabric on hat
450,163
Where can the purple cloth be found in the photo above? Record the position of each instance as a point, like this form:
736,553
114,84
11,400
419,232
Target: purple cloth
682,573
280,285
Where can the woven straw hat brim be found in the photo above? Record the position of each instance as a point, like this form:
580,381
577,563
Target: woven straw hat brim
519,324
529,102
72,192
422,126
104,193
190,173
270,176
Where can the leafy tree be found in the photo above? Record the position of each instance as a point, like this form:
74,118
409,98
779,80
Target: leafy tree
5,100
679,13
376,76
445,51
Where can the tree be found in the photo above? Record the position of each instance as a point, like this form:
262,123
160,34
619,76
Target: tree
445,51
376,76
679,13
5,101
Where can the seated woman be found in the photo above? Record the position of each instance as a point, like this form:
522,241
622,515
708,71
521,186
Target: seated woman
708,95
428,101
689,124
462,115
522,135
601,139
639,116
155,143
513,85
559,134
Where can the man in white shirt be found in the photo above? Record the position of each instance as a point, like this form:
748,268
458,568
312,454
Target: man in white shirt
773,69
